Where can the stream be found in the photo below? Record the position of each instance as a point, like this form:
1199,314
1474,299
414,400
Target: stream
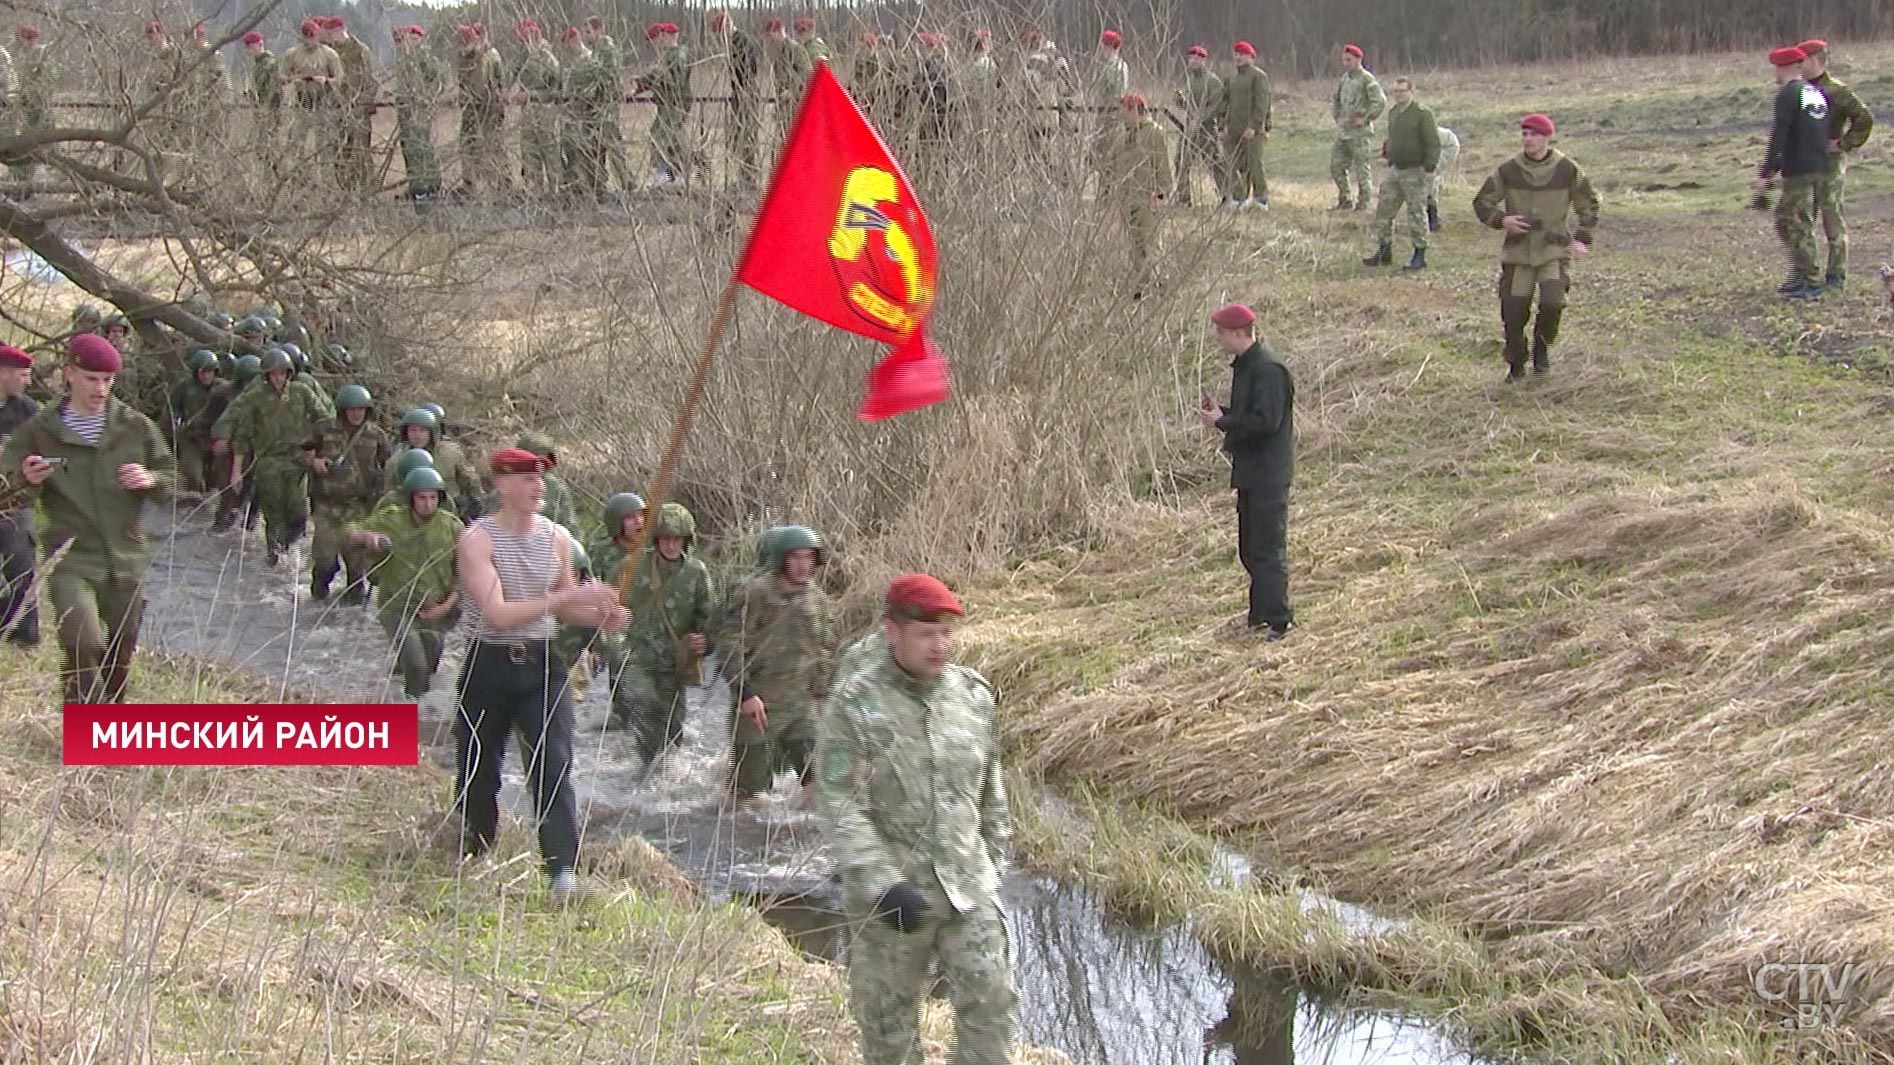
1097,988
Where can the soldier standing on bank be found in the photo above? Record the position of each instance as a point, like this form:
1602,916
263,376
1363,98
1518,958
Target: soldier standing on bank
1413,154
311,72
92,464
779,652
1202,101
417,595
419,81
517,584
19,595
668,80
1258,427
1139,177
480,80
743,59
264,91
1849,123
1358,102
35,76
1111,79
355,100
914,808
1536,198
1247,121
611,61
537,88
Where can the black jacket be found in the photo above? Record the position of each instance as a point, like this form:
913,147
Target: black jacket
1259,425
1798,141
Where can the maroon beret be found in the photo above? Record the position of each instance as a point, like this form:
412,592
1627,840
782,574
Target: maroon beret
517,460
89,351
1352,49
921,597
29,33
253,37
1110,39
1198,50
804,25
1787,57
12,356
1244,48
1233,316
1540,124
654,31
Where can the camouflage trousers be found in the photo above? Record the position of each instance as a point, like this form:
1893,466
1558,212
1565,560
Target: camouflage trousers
196,471
669,152
1142,223
786,742
1403,186
587,156
354,158
1829,191
541,168
328,551
1352,157
740,129
417,643
482,149
1197,146
98,622
890,971
281,489
417,151
1795,224
1243,166
649,702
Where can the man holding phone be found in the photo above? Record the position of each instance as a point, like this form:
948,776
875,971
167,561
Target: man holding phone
1258,427
92,463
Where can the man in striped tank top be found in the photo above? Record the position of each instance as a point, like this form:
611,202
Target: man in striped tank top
518,583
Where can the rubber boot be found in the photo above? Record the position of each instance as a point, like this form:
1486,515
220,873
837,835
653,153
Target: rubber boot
1514,312
1433,218
357,591
1545,332
1419,261
319,580
1383,256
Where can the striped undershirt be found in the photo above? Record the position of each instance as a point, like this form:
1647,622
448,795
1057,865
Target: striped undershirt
527,565
88,427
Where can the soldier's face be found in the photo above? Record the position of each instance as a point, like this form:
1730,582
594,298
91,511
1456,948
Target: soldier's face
14,379
1234,341
424,504
1535,144
88,387
206,376
417,435
1130,114
1351,61
921,647
1195,62
255,48
355,415
799,566
670,547
629,529
521,491
278,379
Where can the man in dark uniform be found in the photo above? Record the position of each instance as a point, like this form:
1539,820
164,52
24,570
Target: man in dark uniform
1798,151
19,598
1258,427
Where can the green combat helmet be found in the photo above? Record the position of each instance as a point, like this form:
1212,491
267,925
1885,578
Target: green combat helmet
674,519
793,538
340,355
422,418
766,548
296,357
201,359
439,412
422,478
275,359
86,318
116,321
415,458
620,506
581,562
350,397
252,328
220,320
248,367
539,444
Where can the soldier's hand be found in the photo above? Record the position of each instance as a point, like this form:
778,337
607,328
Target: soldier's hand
1580,248
617,619
1209,416
135,478
696,642
35,469
1516,223
902,907
319,464
219,447
753,711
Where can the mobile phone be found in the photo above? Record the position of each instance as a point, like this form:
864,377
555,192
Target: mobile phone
54,461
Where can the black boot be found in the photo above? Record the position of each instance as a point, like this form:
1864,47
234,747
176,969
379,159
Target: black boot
1383,256
1792,283
1419,261
1545,332
1433,218
1513,315
319,580
1342,203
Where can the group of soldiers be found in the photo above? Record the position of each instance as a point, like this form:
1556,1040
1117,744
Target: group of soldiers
1818,123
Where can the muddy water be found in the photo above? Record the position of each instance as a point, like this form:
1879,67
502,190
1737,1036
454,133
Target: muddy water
1098,989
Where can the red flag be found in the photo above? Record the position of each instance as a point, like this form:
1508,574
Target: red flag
841,237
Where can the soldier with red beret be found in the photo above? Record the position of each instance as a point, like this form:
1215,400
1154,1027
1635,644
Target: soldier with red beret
1849,123
1247,121
920,862
19,598
92,463
517,583
1201,97
1258,427
35,76
1110,80
1359,101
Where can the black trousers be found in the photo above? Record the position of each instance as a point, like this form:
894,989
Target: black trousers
19,598
506,688
1262,534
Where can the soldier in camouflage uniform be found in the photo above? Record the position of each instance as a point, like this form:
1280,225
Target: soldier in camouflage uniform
538,88
417,592
789,72
269,424
346,457
1413,154
1449,154
1798,152
668,80
779,648
356,101
419,81
480,82
1358,102
196,403
1849,123
914,808
1043,85
673,614
263,89
620,523
1202,101
591,105
812,44
1138,177
245,369
1247,121
611,61
1111,79
743,58
420,429
35,76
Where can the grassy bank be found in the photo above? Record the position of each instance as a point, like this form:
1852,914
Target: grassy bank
305,914
1593,670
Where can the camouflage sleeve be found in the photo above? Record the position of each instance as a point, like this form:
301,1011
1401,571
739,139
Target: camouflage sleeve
860,854
1489,204
703,617
382,521
1854,121
735,643
14,489
996,812
1585,206
823,674
1374,99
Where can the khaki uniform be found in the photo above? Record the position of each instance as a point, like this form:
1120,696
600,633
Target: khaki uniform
1202,100
1138,174
1247,105
1558,198
540,164
480,81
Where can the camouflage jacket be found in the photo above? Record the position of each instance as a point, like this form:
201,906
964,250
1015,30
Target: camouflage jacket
1111,79
37,76
269,424
669,79
789,66
778,645
419,78
266,89
1358,93
418,567
358,75
196,406
355,459
909,780
539,75
668,601
591,89
480,77
1849,120
450,461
